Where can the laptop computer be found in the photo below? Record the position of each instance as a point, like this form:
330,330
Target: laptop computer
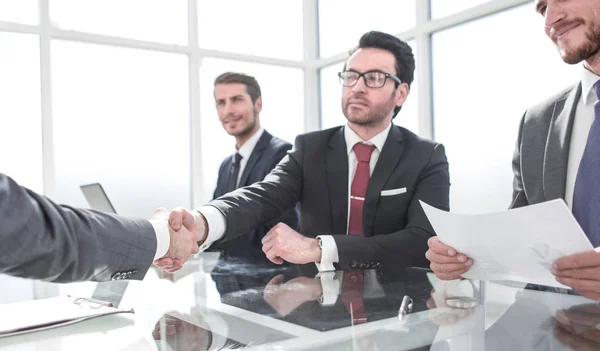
98,200
96,197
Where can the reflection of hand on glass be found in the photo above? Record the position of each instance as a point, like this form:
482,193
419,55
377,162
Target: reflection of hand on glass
284,298
181,335
442,314
578,327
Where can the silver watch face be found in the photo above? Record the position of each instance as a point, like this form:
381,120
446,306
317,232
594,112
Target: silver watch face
462,302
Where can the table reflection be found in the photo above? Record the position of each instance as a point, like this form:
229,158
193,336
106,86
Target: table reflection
215,304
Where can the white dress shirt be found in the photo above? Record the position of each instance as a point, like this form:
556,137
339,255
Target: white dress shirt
246,150
584,116
163,239
216,220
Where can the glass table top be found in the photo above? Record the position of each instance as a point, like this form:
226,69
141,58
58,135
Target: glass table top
216,304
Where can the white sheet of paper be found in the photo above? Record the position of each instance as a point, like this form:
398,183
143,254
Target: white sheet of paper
519,244
46,313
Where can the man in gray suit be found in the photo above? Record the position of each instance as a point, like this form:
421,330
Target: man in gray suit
42,240
558,148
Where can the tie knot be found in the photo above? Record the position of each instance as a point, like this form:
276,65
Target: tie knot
363,152
237,158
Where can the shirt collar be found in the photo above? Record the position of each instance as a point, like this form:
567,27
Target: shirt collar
588,79
378,140
246,150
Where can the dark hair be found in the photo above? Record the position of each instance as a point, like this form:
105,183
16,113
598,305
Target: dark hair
252,87
405,60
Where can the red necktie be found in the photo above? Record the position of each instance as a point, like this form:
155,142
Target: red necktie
352,282
359,187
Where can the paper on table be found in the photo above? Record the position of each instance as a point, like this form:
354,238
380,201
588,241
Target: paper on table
519,244
24,317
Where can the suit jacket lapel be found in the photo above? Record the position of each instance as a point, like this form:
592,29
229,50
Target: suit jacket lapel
386,164
337,180
262,144
557,147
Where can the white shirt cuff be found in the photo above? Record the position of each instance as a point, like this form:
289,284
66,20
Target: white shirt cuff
163,237
216,225
329,254
330,286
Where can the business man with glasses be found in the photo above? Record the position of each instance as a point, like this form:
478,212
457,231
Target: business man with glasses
358,185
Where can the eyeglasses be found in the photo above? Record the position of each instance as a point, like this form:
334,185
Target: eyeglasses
372,79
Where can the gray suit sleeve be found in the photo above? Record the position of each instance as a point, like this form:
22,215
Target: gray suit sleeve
42,240
519,198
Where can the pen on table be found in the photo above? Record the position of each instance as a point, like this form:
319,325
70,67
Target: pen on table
405,306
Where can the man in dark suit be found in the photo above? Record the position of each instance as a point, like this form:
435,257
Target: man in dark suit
557,149
358,186
42,240
238,100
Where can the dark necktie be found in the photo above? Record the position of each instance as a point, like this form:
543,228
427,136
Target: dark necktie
586,195
235,171
352,282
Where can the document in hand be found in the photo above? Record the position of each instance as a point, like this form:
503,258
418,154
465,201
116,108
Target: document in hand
519,244
25,317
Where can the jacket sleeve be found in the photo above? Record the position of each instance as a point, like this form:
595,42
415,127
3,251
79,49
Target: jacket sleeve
42,240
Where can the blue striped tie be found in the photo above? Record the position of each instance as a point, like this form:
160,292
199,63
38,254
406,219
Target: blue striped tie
586,195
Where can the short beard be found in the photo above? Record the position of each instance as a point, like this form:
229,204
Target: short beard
590,49
378,115
250,128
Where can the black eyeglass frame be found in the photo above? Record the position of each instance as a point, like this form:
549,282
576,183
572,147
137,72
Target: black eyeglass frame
386,75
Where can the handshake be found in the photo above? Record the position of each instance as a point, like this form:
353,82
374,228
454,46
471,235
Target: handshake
186,230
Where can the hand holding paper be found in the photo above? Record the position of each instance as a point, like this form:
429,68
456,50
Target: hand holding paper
520,244
581,272
446,263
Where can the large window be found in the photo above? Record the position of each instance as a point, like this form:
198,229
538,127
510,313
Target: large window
282,113
155,20
271,28
443,8
20,109
19,11
21,128
481,91
121,118
343,22
331,97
